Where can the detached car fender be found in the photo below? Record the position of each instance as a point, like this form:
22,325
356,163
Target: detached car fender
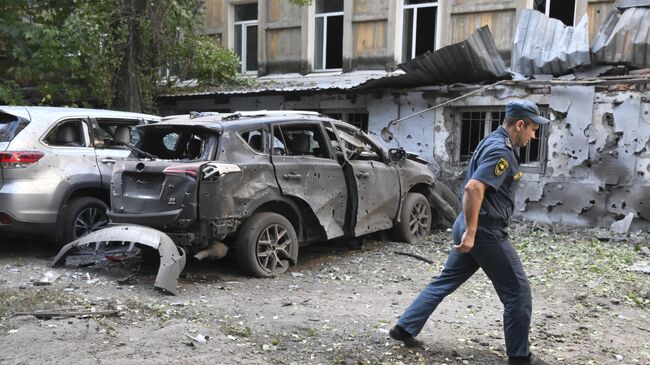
172,257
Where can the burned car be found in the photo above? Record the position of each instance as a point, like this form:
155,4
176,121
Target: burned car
265,183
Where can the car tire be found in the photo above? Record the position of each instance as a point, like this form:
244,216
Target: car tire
415,218
83,215
259,253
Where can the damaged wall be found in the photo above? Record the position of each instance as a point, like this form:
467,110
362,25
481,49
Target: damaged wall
598,152
598,157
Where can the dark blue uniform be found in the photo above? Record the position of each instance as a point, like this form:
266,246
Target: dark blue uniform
495,164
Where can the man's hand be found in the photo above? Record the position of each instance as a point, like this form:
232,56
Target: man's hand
466,243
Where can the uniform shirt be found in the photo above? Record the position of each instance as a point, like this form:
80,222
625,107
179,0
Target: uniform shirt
494,163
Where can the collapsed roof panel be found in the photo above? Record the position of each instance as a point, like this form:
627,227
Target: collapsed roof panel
475,59
544,45
625,4
279,83
624,36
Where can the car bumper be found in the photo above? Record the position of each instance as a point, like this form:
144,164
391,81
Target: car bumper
159,219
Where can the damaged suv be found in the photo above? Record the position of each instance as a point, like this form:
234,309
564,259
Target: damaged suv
264,183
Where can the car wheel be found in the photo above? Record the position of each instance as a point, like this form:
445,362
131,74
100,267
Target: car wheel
83,215
415,218
266,245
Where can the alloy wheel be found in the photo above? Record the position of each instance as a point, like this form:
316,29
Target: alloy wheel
89,220
273,249
419,220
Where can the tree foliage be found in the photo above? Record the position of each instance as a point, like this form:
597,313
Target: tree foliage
107,53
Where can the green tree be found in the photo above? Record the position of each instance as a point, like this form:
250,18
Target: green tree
106,53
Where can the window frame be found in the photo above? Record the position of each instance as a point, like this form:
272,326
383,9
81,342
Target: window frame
536,167
245,24
323,60
413,30
319,136
347,115
547,10
84,133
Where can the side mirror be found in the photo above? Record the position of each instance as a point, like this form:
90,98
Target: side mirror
397,154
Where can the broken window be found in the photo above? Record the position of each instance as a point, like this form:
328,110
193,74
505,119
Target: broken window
328,50
562,10
358,146
419,22
176,143
475,124
358,119
114,133
255,140
299,140
246,36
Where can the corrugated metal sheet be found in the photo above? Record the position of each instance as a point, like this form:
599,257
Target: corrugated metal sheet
473,60
288,83
544,45
623,38
624,4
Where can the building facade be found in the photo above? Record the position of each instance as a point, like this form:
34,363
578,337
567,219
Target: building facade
276,36
590,166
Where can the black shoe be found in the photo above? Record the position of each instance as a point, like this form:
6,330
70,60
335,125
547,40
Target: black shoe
530,360
398,333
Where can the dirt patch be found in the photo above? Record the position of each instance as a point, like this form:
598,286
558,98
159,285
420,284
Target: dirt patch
334,307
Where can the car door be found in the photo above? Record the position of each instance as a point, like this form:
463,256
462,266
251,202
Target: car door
70,157
305,169
376,181
108,150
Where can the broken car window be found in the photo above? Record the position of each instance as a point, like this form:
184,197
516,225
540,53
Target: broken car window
357,146
255,140
115,134
170,142
300,140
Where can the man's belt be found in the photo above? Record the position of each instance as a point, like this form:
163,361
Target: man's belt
486,221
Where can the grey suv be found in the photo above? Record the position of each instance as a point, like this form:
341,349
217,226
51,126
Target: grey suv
56,166
264,183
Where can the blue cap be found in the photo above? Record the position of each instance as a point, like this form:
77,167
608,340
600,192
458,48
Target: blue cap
524,109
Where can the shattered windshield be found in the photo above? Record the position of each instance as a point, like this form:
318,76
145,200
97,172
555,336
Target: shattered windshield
171,142
10,126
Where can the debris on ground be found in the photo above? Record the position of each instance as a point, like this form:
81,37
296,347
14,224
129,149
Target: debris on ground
336,306
641,266
47,279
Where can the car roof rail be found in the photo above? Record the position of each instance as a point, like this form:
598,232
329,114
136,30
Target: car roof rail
260,113
194,115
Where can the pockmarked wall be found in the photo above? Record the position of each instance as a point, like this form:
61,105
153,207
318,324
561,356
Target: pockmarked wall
597,167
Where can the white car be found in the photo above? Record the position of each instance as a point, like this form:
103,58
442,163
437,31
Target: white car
56,166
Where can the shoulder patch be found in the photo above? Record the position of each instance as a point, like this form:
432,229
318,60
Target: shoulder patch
508,142
501,167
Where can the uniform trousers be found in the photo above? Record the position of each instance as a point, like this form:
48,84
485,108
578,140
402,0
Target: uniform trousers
493,253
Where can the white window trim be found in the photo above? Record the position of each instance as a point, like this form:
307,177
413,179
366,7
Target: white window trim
547,11
415,8
325,16
244,41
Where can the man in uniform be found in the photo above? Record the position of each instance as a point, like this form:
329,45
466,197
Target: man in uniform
480,237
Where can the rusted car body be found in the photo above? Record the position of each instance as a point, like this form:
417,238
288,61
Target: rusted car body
264,183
